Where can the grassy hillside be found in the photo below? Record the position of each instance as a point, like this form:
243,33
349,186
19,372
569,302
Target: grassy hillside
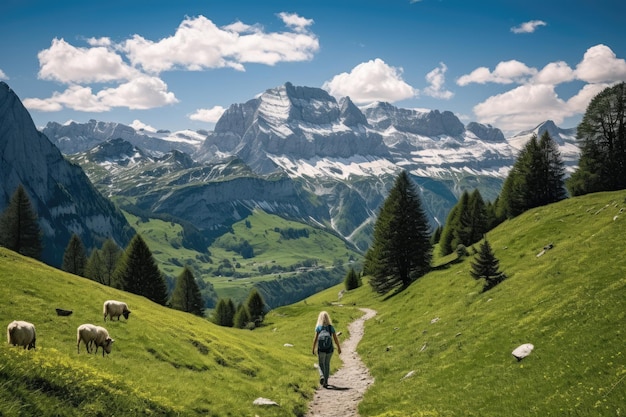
232,274
570,303
163,362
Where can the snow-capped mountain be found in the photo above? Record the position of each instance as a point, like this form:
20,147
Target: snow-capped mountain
565,138
301,153
75,137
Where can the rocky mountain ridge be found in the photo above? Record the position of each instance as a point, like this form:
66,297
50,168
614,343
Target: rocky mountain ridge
63,197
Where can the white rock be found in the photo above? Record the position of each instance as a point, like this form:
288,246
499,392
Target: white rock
264,401
522,351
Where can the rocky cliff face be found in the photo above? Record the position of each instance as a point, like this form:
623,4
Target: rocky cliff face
301,122
78,137
65,200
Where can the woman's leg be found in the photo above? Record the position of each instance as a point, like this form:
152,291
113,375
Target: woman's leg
327,367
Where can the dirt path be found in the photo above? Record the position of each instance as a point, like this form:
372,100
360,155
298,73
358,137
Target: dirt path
347,386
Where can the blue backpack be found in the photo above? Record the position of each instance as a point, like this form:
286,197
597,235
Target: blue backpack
325,340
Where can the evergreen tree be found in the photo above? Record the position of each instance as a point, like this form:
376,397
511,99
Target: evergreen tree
486,266
102,262
224,312
436,235
602,139
452,233
94,267
137,272
401,251
74,258
476,220
110,253
186,295
536,178
256,306
242,317
19,227
352,281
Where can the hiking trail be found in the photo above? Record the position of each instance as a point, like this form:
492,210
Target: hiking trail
347,386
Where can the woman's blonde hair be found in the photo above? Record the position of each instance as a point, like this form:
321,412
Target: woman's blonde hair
323,319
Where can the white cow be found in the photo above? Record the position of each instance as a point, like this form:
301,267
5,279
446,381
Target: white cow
91,335
21,333
114,308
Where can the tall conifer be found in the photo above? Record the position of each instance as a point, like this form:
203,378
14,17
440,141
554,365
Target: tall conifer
137,272
186,295
19,227
74,257
401,250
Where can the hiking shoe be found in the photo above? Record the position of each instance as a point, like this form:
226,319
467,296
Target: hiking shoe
322,382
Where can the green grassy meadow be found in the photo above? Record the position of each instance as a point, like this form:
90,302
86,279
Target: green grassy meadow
569,302
270,250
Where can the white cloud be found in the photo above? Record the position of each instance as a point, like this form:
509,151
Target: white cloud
297,23
554,73
199,44
436,80
528,27
536,100
133,65
506,72
211,115
140,93
68,64
3,76
600,64
369,82
521,107
139,125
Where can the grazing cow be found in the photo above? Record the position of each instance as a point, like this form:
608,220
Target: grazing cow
21,333
92,335
114,308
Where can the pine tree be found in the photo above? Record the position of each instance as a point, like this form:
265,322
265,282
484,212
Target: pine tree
94,267
451,235
19,227
352,281
486,266
256,306
74,258
102,262
602,139
186,295
401,251
224,312
242,317
536,178
137,272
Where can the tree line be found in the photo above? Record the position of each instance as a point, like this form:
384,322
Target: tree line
402,244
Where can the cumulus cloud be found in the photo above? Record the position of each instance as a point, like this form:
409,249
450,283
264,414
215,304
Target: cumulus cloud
436,80
535,99
369,82
528,27
211,115
72,65
199,44
506,72
140,93
134,65
3,76
600,64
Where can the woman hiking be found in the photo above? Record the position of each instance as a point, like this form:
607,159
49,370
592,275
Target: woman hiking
323,341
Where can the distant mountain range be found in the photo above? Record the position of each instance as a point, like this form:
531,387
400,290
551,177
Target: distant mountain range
292,151
300,153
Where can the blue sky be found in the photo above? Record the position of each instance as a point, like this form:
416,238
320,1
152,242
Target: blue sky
178,64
